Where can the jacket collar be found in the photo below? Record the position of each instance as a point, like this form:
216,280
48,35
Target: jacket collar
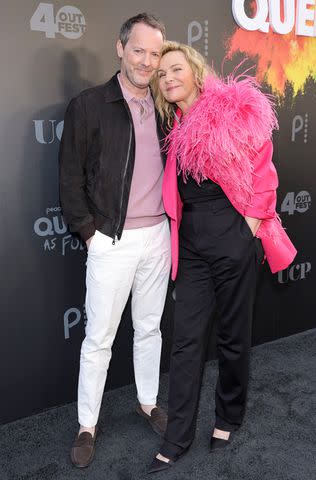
112,90
113,93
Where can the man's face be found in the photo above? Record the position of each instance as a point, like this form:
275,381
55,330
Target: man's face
140,56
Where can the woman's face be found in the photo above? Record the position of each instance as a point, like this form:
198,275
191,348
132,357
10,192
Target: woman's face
176,79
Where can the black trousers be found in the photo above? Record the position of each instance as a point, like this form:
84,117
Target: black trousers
218,265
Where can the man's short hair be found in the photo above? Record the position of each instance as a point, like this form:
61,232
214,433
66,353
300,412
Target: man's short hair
147,19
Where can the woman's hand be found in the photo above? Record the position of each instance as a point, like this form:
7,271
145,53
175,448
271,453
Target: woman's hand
253,223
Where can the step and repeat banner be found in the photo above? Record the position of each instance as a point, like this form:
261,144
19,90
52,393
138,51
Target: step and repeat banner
50,52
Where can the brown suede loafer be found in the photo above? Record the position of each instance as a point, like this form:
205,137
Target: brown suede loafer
83,449
157,419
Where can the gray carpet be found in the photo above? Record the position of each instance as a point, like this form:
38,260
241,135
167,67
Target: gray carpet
276,441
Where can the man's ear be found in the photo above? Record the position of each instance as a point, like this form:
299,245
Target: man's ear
119,48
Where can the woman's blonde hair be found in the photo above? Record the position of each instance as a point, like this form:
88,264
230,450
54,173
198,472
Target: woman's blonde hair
199,68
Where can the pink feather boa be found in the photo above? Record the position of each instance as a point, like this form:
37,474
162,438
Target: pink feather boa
221,133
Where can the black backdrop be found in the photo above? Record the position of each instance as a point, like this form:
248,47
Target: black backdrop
48,54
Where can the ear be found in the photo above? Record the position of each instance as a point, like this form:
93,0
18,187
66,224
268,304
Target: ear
197,82
119,48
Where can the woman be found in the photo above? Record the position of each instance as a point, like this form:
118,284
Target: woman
220,193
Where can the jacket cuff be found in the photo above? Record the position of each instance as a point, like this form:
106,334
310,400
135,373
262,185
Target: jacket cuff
260,214
87,231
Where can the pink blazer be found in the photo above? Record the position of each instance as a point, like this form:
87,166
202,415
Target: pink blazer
278,248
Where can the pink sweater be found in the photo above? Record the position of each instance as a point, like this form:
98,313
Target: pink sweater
145,206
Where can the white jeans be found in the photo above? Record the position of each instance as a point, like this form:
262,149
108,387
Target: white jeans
139,262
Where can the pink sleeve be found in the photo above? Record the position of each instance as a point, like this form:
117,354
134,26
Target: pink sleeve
265,182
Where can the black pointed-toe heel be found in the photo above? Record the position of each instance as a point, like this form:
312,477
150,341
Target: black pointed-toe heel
158,465
219,443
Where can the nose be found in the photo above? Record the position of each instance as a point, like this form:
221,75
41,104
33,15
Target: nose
168,77
146,59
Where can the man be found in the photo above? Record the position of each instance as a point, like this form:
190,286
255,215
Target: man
111,174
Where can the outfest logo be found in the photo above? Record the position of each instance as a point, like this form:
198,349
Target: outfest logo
69,21
279,35
299,202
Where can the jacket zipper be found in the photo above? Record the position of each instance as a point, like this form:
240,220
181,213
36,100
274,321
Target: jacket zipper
124,175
